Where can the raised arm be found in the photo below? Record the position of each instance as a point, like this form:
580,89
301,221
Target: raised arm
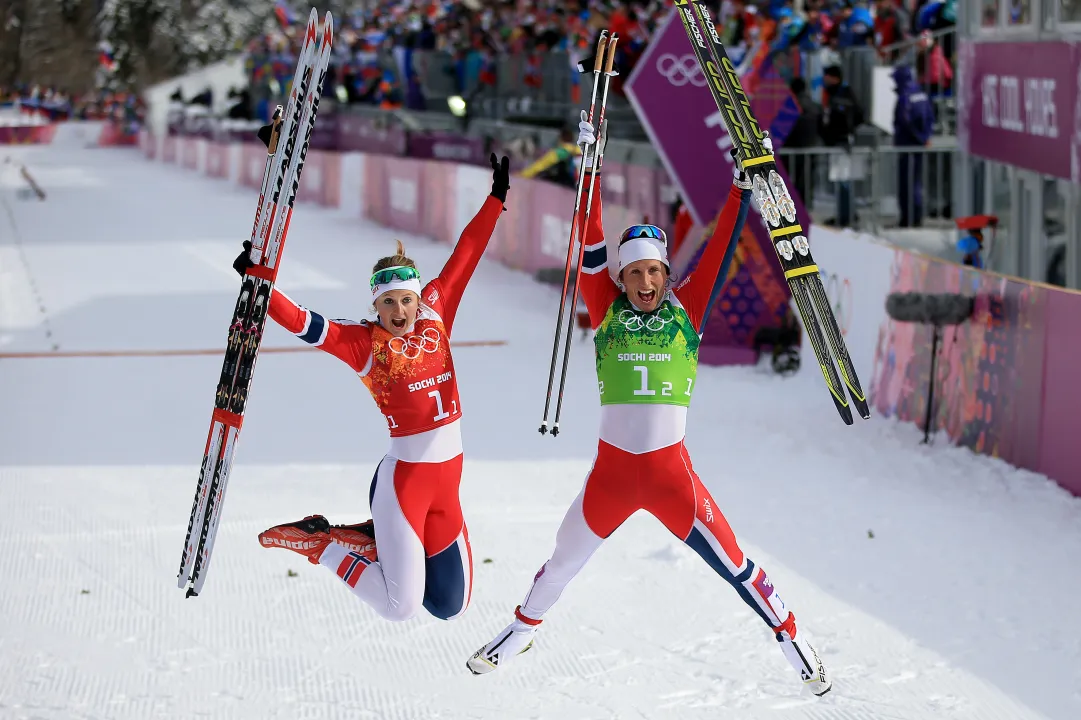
597,288
695,291
346,340
349,341
454,277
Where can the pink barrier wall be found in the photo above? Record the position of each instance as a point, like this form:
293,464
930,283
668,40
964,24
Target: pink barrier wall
332,180
437,210
168,149
93,132
188,153
311,179
252,163
1006,380
217,160
27,134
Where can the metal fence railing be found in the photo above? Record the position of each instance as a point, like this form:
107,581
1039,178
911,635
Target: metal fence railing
875,189
872,187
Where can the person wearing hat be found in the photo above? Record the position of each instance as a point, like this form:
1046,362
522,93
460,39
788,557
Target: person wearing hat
647,331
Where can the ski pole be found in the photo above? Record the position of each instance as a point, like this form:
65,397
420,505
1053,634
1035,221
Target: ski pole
598,154
598,62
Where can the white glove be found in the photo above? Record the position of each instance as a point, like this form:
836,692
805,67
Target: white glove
587,137
586,134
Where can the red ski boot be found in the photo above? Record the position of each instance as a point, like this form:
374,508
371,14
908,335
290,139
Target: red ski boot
308,537
358,538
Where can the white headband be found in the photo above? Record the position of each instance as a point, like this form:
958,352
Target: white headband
396,284
640,249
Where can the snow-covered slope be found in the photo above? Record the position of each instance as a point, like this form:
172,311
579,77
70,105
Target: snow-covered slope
959,606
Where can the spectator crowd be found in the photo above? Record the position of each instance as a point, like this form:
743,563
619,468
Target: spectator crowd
55,104
383,50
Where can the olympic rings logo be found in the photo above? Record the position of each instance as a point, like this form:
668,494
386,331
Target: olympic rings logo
427,342
654,323
682,70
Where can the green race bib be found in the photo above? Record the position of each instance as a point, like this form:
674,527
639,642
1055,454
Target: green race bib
646,358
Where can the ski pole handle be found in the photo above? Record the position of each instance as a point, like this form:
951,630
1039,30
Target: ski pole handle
598,59
610,62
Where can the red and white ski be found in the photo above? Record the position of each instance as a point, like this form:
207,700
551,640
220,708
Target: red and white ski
287,139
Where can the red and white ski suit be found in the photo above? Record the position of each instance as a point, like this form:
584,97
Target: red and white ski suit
641,461
424,558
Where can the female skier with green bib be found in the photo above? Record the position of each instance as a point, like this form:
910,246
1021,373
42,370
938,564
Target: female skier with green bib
647,335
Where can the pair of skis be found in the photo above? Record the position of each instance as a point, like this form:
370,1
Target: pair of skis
286,137
776,207
603,63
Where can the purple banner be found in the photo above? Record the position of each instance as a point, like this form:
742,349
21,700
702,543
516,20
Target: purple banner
669,94
447,146
1017,105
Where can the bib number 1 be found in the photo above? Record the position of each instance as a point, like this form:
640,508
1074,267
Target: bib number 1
644,390
441,415
666,387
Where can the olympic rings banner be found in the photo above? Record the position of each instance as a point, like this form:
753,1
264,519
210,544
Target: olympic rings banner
992,398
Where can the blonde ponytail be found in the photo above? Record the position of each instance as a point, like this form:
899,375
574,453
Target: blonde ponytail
398,259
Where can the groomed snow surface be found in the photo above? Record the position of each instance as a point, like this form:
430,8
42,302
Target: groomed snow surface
962,605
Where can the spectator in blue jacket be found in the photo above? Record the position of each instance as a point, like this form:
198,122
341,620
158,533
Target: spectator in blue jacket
913,122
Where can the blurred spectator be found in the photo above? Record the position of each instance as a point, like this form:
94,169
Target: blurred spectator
841,115
804,134
934,70
558,165
892,25
53,104
913,123
971,248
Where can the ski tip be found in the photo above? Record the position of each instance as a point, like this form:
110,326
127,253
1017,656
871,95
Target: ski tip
328,40
328,30
313,27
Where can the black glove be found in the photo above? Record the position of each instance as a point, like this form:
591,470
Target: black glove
740,178
243,260
500,178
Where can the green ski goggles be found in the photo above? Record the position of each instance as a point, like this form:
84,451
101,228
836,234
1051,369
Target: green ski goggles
390,274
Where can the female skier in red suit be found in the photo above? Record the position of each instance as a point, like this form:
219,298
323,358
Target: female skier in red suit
414,551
